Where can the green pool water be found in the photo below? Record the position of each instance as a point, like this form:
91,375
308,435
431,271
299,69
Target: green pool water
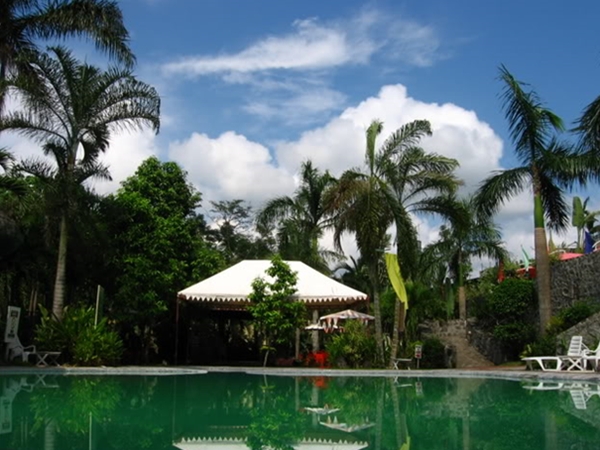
239,412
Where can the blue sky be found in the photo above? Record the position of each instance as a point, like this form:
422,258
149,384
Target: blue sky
252,88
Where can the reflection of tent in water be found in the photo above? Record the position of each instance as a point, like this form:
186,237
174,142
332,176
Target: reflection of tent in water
322,411
344,426
240,444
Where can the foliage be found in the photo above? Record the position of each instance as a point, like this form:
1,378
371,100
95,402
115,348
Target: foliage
71,110
433,354
233,233
354,348
157,248
299,221
78,339
24,24
508,314
276,314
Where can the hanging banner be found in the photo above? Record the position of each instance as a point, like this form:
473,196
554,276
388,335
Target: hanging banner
393,269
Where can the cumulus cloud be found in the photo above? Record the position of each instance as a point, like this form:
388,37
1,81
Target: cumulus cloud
457,133
230,167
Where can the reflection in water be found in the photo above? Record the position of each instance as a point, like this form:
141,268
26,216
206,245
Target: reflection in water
242,412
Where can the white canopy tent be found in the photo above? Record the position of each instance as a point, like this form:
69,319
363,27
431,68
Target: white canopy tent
229,289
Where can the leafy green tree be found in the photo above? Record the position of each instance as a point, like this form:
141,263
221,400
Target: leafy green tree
467,236
74,108
159,248
276,314
301,220
25,22
233,220
545,166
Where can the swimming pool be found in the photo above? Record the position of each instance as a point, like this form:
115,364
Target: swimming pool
234,411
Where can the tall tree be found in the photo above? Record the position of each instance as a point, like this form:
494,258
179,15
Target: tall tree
158,247
23,23
72,113
546,166
301,220
362,204
421,183
466,236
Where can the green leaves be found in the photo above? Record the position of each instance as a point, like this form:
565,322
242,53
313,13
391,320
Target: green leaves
275,312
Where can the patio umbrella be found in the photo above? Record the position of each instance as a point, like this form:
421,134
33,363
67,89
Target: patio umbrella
331,320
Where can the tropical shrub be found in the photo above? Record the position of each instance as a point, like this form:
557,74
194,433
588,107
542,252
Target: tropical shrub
509,314
354,348
433,354
76,337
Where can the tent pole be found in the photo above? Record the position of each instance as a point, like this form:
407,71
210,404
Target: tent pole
315,333
176,330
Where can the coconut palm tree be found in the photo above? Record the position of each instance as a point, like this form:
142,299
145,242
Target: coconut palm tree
301,220
546,166
398,179
72,113
362,204
467,235
25,22
421,183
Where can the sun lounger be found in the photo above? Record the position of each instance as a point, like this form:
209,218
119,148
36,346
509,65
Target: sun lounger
573,360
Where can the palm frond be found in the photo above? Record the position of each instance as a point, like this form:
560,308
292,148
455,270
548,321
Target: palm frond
502,185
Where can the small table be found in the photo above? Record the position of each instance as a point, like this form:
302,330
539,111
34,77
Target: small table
44,359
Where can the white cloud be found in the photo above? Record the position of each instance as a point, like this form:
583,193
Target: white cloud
457,133
231,167
123,156
304,108
310,46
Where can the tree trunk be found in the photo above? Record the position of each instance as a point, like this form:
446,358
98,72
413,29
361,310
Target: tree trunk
396,333
61,269
462,301
542,261
462,296
542,269
377,314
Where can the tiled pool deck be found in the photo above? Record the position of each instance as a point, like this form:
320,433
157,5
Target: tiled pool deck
512,373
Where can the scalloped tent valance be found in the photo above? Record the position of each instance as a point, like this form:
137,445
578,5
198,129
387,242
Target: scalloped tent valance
230,288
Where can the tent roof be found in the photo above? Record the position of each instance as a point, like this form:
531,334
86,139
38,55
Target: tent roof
230,288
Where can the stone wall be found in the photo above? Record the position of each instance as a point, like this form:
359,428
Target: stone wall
589,329
576,279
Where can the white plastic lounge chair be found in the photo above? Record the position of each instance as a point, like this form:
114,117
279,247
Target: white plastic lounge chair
593,357
574,359
578,397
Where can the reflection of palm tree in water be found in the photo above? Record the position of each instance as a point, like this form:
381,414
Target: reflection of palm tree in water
402,437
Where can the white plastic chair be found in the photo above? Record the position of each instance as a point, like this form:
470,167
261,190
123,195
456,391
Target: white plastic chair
573,360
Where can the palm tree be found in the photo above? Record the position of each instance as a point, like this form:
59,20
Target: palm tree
421,183
466,236
301,220
24,22
398,179
9,184
545,166
363,204
72,114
